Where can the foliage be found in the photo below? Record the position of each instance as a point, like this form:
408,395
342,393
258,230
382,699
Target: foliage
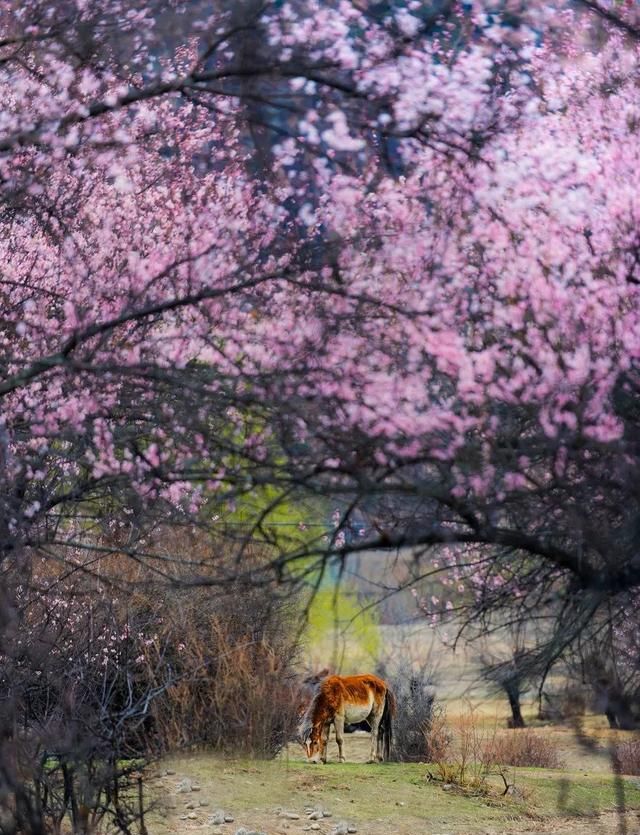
260,254
341,631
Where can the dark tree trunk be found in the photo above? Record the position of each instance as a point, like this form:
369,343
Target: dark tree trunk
513,694
619,713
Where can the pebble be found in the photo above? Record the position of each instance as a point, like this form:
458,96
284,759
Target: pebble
195,787
344,828
316,815
184,786
217,818
243,831
290,816
228,818
169,772
192,816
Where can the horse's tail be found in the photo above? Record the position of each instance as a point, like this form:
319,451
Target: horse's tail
385,728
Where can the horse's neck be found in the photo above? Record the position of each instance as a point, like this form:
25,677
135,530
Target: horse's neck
318,712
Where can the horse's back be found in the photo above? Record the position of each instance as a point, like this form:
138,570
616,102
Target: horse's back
358,689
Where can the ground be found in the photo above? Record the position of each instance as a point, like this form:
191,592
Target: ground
583,798
386,798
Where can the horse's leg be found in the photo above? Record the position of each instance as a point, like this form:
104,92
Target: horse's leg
338,724
374,720
326,730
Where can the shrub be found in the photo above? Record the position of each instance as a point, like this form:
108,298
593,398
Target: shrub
235,686
418,729
94,684
477,751
522,748
462,760
626,757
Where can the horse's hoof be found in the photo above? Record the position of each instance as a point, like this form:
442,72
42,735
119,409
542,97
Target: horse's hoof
341,760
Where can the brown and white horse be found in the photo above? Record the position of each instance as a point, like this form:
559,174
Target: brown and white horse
341,699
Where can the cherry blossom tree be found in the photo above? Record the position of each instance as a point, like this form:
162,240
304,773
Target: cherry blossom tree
431,306
277,252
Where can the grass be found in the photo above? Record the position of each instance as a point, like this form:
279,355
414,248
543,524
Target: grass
375,796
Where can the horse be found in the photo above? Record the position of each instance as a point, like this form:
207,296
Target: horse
341,699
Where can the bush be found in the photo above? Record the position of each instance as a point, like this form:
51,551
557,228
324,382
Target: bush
418,725
94,685
626,757
524,748
477,751
74,698
235,687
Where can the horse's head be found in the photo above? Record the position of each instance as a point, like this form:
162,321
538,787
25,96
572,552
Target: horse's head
311,740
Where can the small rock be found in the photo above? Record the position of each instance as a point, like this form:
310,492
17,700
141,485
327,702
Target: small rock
169,772
184,786
195,787
190,805
314,826
217,818
351,829
290,816
216,831
228,818
342,828
192,816
399,802
316,815
183,817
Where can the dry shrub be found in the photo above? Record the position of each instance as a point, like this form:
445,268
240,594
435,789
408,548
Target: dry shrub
522,747
475,751
461,758
418,727
626,757
233,659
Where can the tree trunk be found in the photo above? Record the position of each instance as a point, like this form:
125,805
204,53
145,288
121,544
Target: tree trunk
513,694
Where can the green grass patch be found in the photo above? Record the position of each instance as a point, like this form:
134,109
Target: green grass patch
374,795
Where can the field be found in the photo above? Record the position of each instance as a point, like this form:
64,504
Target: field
277,797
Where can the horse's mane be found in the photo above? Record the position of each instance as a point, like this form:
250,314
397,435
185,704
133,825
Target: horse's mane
306,723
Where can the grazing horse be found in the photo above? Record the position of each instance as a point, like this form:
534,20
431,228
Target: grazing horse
341,699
